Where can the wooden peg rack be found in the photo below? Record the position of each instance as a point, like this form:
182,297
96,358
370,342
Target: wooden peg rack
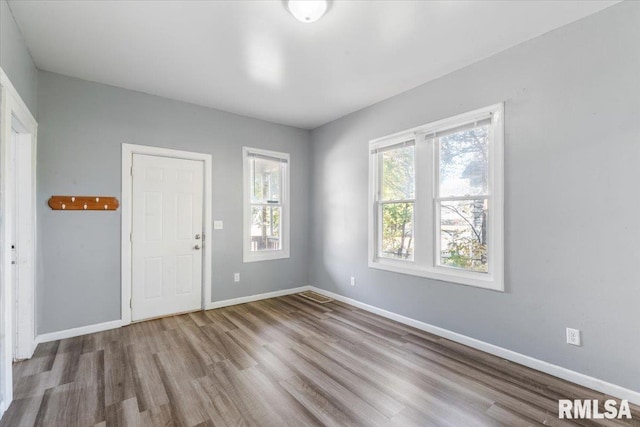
83,203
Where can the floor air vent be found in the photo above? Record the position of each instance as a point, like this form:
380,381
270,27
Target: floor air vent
315,297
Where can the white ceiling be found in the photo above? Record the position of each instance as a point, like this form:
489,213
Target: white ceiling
253,58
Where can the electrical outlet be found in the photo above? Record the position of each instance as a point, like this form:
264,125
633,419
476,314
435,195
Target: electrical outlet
573,337
236,277
218,225
353,281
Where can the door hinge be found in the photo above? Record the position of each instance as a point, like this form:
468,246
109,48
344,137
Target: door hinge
131,170
130,303
131,237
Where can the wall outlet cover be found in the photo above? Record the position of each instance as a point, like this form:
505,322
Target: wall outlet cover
573,337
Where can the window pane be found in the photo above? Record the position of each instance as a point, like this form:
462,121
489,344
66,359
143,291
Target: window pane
397,231
266,180
464,162
463,234
265,228
398,174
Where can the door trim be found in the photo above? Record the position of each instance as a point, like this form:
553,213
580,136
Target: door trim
128,150
13,111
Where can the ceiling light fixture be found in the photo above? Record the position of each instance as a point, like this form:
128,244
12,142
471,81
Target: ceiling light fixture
308,10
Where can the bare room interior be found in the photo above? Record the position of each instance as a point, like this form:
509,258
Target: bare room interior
319,213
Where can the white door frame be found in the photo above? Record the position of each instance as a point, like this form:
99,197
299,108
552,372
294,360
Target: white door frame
128,150
16,306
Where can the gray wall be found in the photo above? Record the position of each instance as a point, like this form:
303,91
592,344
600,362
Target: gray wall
81,128
572,200
15,58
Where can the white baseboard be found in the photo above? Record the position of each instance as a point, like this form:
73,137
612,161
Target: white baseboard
76,332
83,330
257,297
540,365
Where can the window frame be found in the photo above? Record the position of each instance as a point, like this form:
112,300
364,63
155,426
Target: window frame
425,261
267,255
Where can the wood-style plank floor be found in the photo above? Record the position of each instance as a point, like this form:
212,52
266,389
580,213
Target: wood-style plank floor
277,362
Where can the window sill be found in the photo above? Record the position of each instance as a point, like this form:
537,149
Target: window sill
478,280
265,256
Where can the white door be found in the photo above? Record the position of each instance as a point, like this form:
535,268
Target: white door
166,236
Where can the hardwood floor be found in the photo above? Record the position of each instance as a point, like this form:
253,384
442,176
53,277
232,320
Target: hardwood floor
282,361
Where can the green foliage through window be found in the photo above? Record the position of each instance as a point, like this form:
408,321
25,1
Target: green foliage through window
398,192
397,230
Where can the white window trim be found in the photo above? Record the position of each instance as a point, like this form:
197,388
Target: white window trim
424,263
247,254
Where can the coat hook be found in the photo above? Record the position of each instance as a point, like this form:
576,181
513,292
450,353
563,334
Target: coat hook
87,203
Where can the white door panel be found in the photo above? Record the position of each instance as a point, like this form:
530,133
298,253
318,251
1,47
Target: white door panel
166,223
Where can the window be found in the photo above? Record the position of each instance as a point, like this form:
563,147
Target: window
436,194
266,205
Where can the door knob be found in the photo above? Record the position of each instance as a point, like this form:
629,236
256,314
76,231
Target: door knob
197,247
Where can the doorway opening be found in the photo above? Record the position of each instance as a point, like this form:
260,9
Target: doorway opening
18,130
